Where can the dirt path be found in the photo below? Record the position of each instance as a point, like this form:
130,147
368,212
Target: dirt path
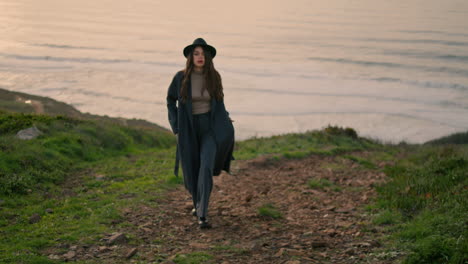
317,225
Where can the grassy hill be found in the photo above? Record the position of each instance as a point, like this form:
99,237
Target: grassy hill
32,104
84,169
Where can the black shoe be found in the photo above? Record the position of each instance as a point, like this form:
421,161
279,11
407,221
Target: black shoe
194,212
203,223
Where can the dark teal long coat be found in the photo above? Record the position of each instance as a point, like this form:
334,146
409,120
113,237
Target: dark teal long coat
181,121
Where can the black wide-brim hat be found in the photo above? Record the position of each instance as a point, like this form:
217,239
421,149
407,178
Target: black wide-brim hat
200,42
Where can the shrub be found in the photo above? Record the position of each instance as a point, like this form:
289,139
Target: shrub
336,130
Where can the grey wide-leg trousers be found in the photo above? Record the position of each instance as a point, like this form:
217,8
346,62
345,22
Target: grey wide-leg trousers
202,184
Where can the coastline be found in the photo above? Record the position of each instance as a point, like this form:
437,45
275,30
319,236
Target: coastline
248,127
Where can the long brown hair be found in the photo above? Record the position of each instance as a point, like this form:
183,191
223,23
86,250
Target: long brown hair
213,82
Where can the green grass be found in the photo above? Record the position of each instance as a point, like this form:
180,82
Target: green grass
65,145
387,217
132,161
300,145
193,258
83,218
430,181
426,204
323,184
363,162
422,207
457,138
269,210
334,166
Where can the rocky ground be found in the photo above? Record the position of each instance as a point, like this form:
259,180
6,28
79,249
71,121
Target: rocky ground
326,223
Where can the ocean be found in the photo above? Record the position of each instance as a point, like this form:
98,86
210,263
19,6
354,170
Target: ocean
392,70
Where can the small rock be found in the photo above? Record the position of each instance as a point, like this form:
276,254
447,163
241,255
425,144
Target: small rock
63,245
344,224
127,211
73,247
318,244
28,133
116,221
147,224
224,213
131,252
248,198
375,243
265,190
198,245
296,252
280,252
53,256
103,249
350,251
331,232
283,244
68,192
363,244
254,245
146,230
34,218
49,210
344,210
70,254
118,238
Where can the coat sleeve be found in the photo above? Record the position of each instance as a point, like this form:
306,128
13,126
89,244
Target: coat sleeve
171,101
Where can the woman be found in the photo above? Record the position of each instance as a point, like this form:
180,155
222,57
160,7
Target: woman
197,115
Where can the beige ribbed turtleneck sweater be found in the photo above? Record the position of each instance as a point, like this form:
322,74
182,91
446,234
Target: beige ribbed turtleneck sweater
200,102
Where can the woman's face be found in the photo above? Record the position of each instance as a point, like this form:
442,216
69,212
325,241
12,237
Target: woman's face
198,57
